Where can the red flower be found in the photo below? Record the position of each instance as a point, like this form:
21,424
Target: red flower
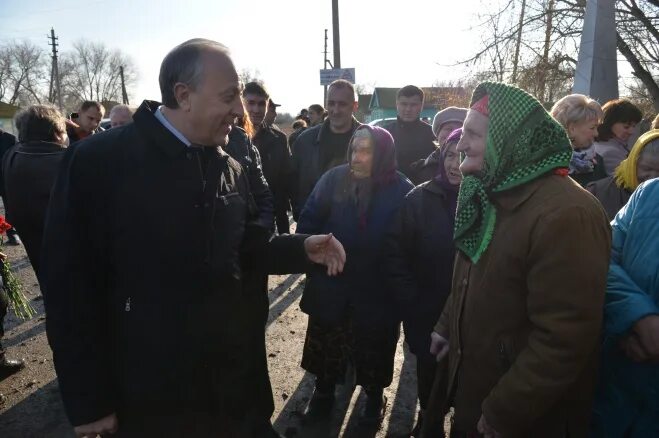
562,171
4,225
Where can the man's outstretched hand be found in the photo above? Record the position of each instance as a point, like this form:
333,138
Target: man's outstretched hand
324,249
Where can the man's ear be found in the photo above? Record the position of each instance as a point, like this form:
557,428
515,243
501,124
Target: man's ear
182,94
355,105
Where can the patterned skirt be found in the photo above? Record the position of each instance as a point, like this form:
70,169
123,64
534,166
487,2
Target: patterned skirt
329,348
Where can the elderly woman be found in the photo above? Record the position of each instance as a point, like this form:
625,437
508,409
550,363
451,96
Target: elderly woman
580,116
641,165
613,134
445,122
521,326
420,255
351,316
627,400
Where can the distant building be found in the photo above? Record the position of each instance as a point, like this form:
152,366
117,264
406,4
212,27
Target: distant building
363,107
382,102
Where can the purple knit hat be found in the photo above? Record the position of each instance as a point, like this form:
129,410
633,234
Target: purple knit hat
384,153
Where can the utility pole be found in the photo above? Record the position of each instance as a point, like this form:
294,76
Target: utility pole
327,62
519,41
124,95
335,34
54,74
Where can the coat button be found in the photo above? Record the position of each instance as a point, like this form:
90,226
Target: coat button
464,281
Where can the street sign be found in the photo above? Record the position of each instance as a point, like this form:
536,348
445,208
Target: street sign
327,76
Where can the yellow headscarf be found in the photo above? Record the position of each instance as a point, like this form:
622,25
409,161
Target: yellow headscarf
625,173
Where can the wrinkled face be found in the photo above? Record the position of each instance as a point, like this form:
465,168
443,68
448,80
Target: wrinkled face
211,108
445,130
340,106
89,119
256,107
473,141
409,108
452,164
315,117
361,158
647,167
622,131
582,134
120,118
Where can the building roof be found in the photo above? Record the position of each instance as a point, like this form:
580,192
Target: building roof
435,97
8,111
364,102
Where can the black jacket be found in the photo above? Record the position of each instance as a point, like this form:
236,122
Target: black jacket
276,159
7,140
414,141
144,319
29,171
419,256
306,165
241,149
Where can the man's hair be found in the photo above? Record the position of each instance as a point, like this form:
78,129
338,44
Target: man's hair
184,64
576,108
257,89
342,83
119,108
410,91
40,123
299,124
85,105
617,111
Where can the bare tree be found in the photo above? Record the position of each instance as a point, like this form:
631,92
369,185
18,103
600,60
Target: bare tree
544,37
91,72
22,73
247,75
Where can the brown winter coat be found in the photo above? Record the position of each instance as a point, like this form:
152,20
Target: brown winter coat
524,322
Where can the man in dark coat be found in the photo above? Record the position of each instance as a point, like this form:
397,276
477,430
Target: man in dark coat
324,146
414,138
273,147
29,171
150,328
7,141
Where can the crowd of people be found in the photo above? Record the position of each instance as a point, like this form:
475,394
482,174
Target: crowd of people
517,248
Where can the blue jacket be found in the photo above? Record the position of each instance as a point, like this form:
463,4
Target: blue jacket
361,286
628,392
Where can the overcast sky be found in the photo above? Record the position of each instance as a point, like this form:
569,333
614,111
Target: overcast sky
283,39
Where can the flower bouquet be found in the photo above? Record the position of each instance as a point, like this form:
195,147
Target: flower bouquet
17,300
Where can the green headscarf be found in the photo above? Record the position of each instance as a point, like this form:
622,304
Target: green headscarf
523,143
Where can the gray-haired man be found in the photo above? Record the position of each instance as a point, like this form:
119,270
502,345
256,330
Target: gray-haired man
149,326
